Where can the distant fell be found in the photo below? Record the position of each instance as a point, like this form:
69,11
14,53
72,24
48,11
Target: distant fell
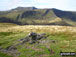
35,16
23,8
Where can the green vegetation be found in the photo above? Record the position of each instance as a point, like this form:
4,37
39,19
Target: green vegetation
65,40
33,16
4,55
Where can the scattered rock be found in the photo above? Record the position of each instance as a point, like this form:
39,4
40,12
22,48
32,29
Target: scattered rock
51,51
11,48
32,38
53,41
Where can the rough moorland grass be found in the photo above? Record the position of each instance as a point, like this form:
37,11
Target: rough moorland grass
4,55
64,37
8,38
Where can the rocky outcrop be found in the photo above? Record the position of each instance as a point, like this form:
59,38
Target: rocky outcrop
32,38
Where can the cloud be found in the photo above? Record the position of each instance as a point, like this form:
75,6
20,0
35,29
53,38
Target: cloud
50,3
60,4
13,3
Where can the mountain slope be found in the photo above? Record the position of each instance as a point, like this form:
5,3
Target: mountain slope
34,16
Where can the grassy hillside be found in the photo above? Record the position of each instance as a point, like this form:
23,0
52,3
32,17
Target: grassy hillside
31,15
64,37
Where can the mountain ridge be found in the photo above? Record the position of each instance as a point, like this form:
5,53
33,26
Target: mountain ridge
35,16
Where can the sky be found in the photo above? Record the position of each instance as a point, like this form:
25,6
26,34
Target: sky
58,4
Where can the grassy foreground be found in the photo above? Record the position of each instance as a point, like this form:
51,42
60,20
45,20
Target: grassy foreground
4,55
64,37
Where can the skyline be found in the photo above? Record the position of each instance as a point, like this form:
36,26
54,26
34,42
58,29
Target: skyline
69,5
